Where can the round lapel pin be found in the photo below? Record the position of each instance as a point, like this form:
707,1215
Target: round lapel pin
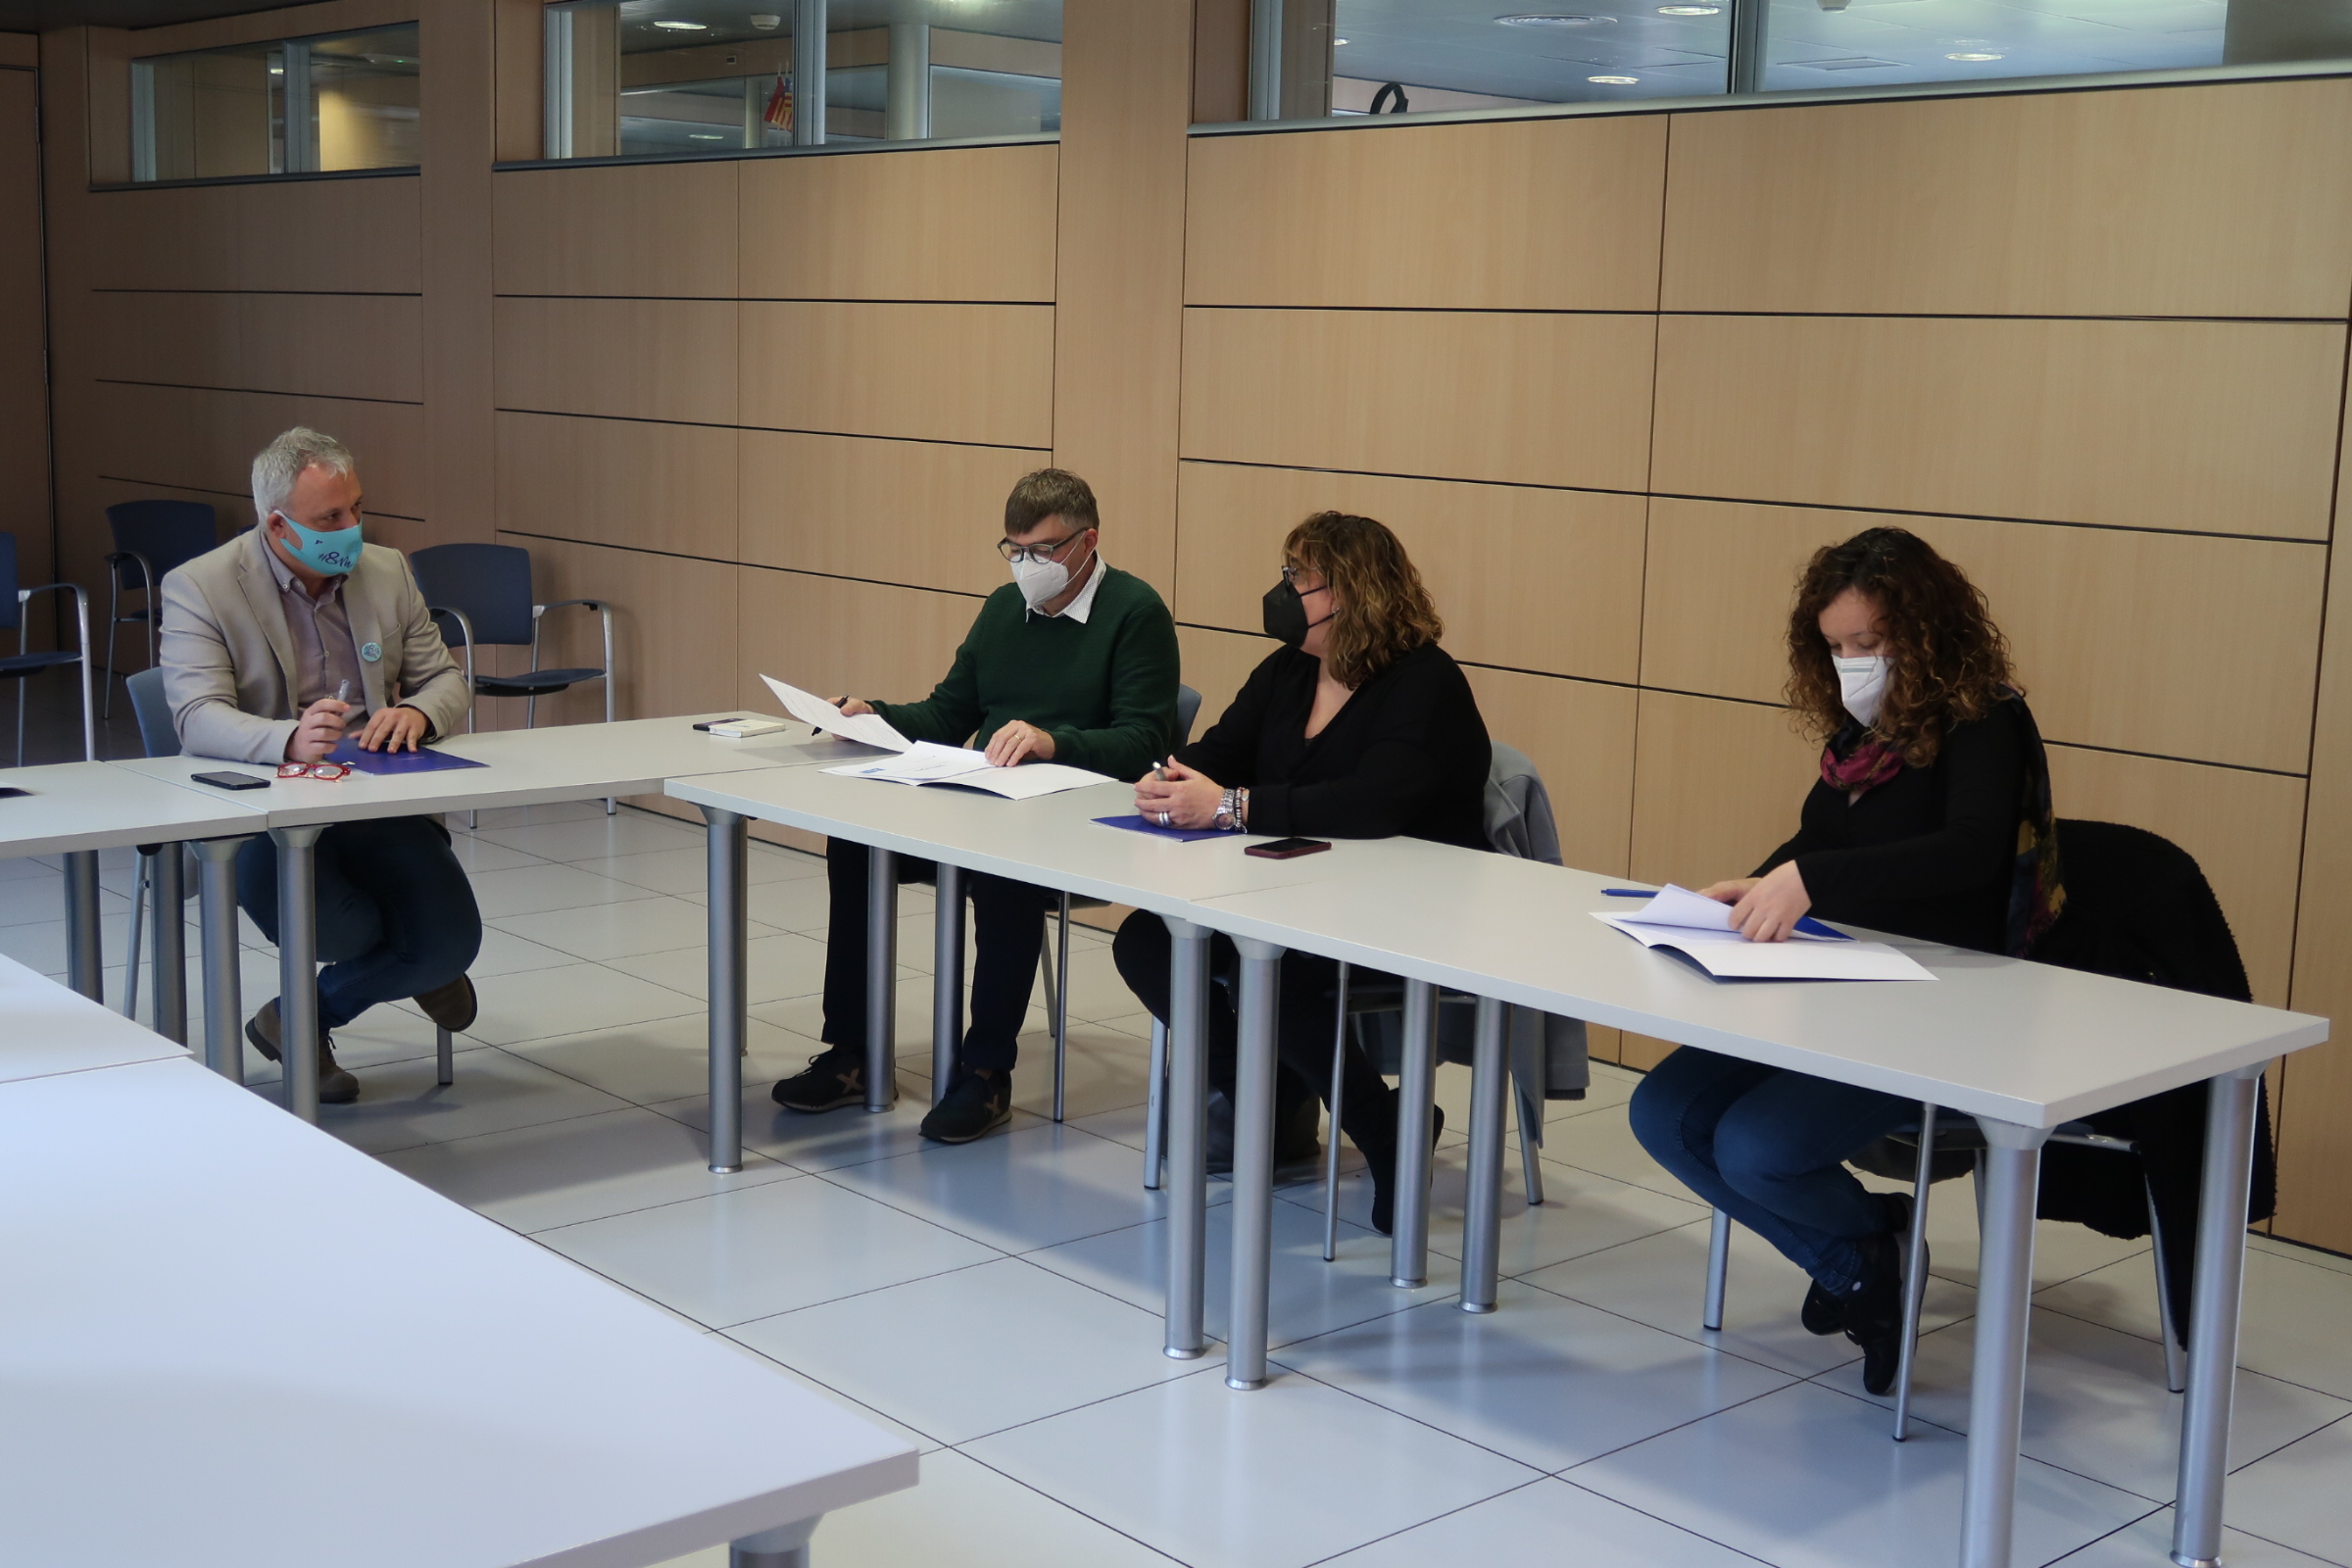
372,652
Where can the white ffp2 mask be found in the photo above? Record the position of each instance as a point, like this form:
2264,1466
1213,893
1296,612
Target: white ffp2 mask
1040,580
1862,683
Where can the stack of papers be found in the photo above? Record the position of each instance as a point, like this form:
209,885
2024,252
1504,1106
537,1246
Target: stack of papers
1701,930
925,761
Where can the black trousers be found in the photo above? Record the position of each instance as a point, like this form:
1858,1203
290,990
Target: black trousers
1007,932
1303,1023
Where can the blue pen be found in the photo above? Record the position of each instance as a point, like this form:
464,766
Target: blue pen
1629,892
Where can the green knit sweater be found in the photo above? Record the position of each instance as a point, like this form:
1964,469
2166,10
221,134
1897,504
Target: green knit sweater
1105,689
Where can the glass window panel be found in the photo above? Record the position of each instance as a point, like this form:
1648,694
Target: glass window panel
1421,56
1872,44
301,106
663,78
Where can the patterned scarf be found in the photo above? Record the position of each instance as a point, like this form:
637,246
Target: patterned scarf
1856,763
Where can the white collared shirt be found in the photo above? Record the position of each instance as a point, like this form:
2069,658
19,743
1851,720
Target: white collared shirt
1083,606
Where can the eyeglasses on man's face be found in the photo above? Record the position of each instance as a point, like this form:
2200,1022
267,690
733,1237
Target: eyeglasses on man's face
1017,554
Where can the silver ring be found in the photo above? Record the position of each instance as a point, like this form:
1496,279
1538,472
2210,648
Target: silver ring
1163,821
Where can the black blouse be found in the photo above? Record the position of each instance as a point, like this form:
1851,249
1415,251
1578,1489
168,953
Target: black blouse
1930,853
1406,755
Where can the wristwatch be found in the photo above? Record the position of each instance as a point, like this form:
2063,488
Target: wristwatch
1231,809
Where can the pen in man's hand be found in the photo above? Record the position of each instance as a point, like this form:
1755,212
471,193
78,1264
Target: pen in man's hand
343,692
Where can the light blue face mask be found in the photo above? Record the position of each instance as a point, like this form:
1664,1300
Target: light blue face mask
330,551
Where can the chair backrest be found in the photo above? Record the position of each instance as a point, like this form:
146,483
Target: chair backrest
169,534
10,608
2139,907
1519,821
157,733
490,584
1188,710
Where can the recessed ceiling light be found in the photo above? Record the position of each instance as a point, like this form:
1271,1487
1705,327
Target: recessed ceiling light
702,135
1690,10
1336,42
684,27
1972,55
1553,19
1614,82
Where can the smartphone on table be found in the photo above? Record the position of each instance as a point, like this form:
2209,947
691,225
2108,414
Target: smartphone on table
231,781
1288,848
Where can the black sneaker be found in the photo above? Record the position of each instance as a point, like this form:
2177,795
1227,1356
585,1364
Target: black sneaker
974,1107
1821,1313
1383,1177
834,1077
1873,1311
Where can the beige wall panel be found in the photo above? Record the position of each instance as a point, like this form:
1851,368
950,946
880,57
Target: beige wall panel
454,240
1545,580
170,339
1532,215
625,358
1556,400
1581,738
1717,786
2223,200
335,345
2216,428
205,440
828,635
926,513
2244,828
23,371
674,630
184,238
644,487
660,231
2172,643
926,223
980,374
349,236
1216,664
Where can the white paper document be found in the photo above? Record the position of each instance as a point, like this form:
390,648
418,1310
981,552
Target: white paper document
1700,929
872,729
927,762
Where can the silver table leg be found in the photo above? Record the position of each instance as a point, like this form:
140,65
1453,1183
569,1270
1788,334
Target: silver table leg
947,980
2214,1297
86,954
1253,1165
1997,1395
881,979
725,840
223,1004
1482,1219
784,1547
1719,1268
1416,1099
1188,1138
170,946
298,967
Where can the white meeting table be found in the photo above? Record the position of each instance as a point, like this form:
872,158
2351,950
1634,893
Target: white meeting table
522,768
236,1342
2020,1047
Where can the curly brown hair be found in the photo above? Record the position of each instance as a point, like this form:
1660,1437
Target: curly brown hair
1384,611
1948,663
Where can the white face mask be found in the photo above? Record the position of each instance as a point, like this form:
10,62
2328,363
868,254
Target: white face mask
1862,682
1040,580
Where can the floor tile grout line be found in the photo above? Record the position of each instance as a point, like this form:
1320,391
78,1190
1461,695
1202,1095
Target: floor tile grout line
1071,1506
2076,1551
1671,1524
874,1410
1712,1349
871,1289
1405,1530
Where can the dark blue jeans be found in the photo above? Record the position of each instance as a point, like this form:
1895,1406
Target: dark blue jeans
1768,1147
396,914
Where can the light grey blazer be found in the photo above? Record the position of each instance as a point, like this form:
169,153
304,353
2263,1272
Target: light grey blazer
228,658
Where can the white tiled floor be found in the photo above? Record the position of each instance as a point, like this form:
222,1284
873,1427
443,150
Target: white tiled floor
998,1302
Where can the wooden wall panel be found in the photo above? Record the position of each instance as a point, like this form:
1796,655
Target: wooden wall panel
979,373
2244,828
205,440
340,237
24,371
1717,786
2214,427
1580,736
169,339
1526,214
674,629
2174,644
331,345
21,51
659,231
830,635
623,358
925,514
1547,580
639,485
2170,201
454,238
1554,399
184,238
923,224
1215,664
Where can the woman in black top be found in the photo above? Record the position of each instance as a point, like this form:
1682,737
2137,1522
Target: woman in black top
1932,819
1359,726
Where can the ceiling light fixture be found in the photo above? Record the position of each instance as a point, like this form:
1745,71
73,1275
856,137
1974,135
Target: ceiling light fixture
1553,19
1972,56
1336,42
1690,10
703,135
1614,82
684,27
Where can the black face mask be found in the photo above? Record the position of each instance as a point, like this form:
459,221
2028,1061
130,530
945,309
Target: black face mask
1285,612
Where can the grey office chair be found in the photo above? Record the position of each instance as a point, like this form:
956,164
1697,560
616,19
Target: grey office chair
24,664
1054,961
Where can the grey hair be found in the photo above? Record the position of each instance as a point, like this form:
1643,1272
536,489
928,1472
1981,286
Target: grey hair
283,461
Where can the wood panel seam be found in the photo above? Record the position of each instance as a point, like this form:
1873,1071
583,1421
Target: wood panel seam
254,391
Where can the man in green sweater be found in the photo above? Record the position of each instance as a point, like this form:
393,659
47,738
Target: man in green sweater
1072,662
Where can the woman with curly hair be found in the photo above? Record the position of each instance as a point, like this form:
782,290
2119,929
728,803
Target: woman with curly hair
1359,726
1930,819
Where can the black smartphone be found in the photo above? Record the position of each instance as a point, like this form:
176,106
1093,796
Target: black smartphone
1288,848
233,781
9,791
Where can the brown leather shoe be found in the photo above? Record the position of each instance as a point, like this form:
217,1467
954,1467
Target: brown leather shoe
452,1006
337,1085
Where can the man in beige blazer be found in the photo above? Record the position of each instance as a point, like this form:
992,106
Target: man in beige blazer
274,646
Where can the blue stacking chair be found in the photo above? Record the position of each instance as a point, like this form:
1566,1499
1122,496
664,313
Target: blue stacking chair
22,665
152,540
482,594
